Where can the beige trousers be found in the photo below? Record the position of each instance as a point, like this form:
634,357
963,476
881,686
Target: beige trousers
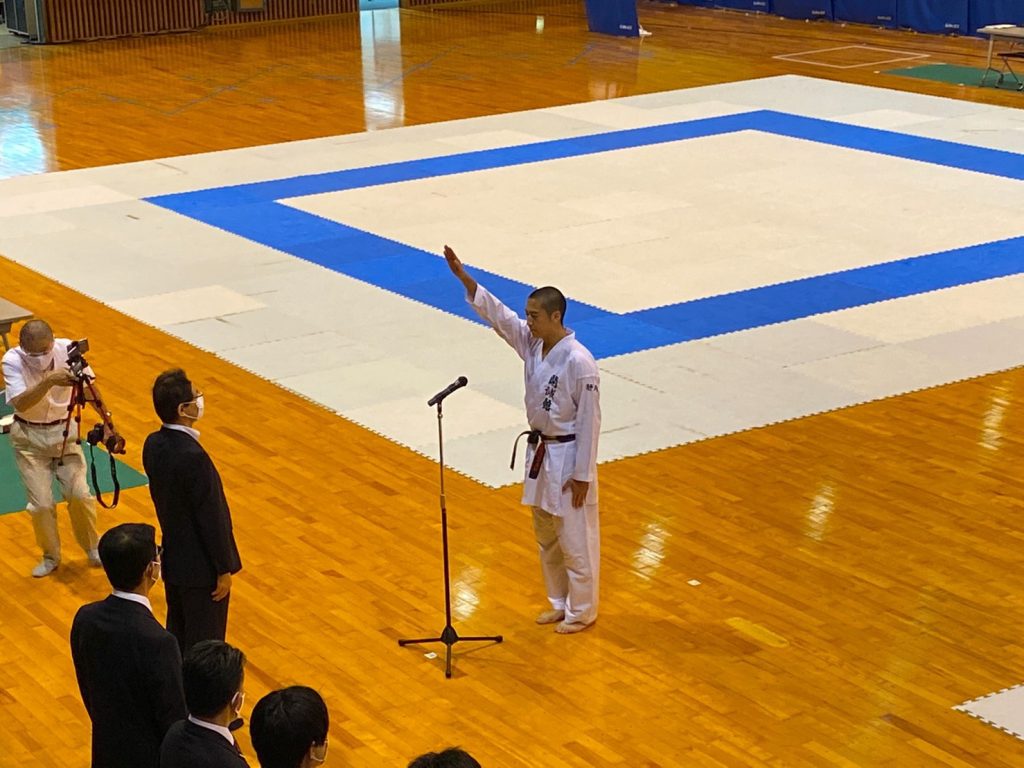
37,455
570,558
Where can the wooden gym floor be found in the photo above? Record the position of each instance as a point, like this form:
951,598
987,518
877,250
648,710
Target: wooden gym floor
858,568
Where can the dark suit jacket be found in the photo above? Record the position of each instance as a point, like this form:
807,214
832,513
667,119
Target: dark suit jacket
198,540
188,745
129,672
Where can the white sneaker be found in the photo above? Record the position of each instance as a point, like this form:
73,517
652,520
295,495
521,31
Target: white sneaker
94,558
645,33
45,568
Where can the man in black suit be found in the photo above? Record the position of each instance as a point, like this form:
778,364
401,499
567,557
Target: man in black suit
200,554
214,673
128,666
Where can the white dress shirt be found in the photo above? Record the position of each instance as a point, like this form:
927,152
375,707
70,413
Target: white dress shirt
194,433
141,599
213,727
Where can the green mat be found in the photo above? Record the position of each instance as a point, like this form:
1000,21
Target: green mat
12,492
949,73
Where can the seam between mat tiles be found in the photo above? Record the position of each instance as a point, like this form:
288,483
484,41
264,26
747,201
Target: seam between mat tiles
260,376
488,485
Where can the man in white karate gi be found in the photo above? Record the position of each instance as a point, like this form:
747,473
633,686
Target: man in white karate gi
564,412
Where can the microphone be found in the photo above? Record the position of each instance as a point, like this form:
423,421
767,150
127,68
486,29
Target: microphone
459,383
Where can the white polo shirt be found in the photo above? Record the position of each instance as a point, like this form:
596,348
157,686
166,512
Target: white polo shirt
21,374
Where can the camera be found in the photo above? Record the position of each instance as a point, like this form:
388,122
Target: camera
76,363
113,444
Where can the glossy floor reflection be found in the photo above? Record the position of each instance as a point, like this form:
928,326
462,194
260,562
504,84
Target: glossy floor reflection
231,87
820,592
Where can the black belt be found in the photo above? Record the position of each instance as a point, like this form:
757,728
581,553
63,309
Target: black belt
536,437
28,423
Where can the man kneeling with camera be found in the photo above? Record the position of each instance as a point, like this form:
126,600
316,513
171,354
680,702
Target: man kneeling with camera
42,375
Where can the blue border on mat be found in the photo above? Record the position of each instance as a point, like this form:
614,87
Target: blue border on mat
252,211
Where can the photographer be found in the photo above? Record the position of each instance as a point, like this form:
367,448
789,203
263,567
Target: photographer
39,388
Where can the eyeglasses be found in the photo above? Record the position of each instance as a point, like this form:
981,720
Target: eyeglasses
159,554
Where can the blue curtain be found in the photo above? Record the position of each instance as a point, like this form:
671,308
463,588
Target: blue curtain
613,17
878,12
941,17
764,6
981,13
803,9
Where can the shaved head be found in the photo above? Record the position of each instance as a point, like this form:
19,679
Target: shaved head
550,300
35,335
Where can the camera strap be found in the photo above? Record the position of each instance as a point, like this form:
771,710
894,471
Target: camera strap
109,444
95,483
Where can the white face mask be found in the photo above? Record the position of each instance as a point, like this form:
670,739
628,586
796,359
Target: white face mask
318,753
40,362
199,408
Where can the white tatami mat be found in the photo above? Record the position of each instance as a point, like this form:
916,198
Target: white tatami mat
624,230
1003,710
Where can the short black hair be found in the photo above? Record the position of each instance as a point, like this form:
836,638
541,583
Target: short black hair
212,673
171,389
550,299
285,724
453,757
126,551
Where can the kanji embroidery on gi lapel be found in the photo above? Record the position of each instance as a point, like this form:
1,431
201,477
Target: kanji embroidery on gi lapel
549,392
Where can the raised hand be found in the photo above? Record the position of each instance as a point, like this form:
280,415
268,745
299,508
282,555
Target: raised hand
455,265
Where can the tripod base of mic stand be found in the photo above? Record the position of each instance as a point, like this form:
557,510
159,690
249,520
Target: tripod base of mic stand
450,637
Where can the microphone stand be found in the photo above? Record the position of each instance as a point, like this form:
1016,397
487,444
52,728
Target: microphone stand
448,635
